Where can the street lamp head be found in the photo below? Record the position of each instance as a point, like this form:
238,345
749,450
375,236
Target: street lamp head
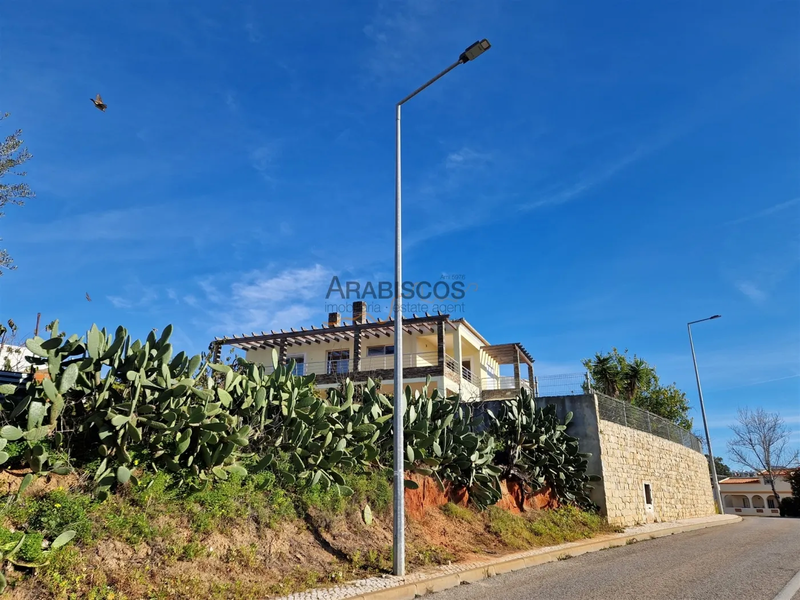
474,51
715,317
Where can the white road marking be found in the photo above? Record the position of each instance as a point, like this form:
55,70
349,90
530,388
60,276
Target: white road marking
789,591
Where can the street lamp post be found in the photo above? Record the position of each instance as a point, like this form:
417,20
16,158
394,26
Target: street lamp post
399,541
717,493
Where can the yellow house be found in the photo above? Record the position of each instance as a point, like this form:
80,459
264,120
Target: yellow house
451,351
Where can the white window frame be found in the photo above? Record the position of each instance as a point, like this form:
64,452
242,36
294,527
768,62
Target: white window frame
648,505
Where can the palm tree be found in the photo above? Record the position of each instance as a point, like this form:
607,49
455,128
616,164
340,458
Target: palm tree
606,374
634,376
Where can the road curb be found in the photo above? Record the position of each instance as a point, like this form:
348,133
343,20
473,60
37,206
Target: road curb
437,583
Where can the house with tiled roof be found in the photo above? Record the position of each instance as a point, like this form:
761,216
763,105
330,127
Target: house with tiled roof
752,494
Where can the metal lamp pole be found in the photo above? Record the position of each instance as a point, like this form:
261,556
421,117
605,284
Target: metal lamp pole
717,492
399,542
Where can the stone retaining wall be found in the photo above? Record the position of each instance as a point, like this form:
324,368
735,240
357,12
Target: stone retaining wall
678,476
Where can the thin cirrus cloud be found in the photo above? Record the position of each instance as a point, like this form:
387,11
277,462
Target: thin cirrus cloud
264,300
466,158
771,210
135,297
752,291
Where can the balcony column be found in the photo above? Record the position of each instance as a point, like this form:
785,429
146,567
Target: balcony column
357,349
516,369
215,349
457,354
282,353
440,345
359,318
530,378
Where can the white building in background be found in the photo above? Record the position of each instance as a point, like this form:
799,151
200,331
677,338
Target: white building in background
752,495
14,358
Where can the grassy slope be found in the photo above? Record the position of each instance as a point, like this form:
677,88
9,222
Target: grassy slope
250,539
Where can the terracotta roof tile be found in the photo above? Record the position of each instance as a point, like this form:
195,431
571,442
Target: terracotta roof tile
737,480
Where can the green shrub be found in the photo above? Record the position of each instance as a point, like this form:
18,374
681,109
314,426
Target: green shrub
58,511
545,527
116,518
31,549
454,511
373,488
8,537
211,425
512,530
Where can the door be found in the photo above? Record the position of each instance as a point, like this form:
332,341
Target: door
338,361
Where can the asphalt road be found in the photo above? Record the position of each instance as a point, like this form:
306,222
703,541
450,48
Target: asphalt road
751,560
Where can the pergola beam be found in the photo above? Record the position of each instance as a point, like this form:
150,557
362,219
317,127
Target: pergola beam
337,334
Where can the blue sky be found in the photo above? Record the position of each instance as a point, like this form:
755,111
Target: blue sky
604,174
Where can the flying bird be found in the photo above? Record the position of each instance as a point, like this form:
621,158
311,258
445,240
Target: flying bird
88,297
98,102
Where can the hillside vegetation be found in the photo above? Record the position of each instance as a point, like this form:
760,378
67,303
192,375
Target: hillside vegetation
153,461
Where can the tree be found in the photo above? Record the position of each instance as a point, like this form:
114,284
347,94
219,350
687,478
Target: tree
723,470
761,442
12,155
636,381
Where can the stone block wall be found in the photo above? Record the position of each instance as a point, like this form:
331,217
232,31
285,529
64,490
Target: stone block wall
678,476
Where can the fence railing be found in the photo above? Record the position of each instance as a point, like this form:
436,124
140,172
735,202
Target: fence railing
566,384
456,372
368,363
624,413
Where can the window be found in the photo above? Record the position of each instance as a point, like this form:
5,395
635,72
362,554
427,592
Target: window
648,495
771,502
299,363
380,350
379,357
338,361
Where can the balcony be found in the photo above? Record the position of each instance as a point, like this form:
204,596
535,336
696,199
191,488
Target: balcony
379,368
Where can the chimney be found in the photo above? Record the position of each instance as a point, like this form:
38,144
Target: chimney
334,319
358,312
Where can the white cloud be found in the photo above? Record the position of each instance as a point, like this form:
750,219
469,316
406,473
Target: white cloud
466,157
230,101
262,300
135,296
263,157
254,35
397,26
286,228
293,284
751,291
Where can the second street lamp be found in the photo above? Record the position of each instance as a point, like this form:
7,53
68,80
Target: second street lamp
398,526
715,481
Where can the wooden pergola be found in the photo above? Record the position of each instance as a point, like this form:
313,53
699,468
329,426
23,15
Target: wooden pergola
360,327
510,354
334,331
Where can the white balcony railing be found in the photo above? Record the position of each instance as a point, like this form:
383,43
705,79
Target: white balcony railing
504,383
368,363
